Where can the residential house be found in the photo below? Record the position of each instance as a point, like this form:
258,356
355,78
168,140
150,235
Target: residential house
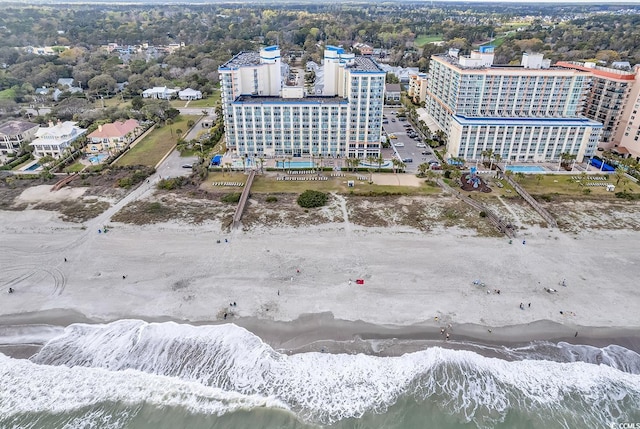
402,73
14,133
392,93
55,139
113,137
364,48
159,92
65,82
190,94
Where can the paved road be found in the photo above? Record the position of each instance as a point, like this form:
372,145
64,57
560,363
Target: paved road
409,150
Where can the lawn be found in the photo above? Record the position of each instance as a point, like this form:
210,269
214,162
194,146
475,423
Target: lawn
269,184
210,101
423,39
115,101
75,167
565,185
155,145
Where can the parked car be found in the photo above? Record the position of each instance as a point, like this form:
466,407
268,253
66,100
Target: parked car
398,144
187,165
405,160
421,145
425,152
393,120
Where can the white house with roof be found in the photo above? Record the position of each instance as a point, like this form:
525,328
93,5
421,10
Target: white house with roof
159,92
54,139
190,94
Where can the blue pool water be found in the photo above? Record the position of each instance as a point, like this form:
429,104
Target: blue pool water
32,167
294,164
96,159
524,168
386,164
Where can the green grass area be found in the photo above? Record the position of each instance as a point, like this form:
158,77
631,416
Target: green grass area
423,39
269,184
75,167
496,42
565,185
210,101
155,145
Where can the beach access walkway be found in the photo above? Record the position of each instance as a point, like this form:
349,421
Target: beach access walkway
502,226
243,200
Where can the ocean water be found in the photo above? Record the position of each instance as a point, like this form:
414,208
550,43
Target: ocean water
138,375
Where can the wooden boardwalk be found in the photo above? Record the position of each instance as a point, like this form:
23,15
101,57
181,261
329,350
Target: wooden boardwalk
243,200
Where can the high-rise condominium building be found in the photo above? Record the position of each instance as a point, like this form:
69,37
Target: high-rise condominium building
521,113
268,113
606,97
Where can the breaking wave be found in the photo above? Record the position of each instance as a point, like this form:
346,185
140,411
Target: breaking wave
203,364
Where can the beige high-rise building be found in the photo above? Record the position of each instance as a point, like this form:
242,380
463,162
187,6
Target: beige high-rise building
523,113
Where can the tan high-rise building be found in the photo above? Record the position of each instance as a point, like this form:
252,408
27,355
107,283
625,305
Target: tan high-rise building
525,113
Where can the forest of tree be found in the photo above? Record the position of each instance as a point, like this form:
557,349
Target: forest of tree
212,33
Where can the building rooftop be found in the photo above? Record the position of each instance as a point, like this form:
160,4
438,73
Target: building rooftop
597,70
278,100
393,87
455,61
242,59
13,128
365,64
528,121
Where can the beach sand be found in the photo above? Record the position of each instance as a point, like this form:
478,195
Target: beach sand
180,272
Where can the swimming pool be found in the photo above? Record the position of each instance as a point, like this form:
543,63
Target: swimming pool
386,164
294,164
524,168
32,167
96,159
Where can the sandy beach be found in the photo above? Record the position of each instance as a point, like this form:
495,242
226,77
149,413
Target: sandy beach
181,272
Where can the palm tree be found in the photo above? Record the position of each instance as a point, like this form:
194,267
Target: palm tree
356,163
431,175
261,160
456,175
619,174
380,161
396,164
422,169
519,176
169,122
497,157
244,163
486,154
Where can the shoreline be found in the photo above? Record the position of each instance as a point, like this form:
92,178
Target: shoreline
323,333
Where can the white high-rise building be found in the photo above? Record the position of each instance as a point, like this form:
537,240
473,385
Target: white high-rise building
267,113
522,113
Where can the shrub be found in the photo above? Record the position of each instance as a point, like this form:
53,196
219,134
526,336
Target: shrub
172,183
271,199
627,196
483,214
231,198
311,198
447,174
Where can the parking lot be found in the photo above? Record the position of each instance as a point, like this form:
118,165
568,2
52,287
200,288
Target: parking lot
405,147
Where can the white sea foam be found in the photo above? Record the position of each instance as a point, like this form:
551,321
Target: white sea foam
28,334
26,387
328,387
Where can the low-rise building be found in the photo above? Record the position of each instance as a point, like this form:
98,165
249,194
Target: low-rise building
15,133
392,93
55,139
113,137
159,92
189,94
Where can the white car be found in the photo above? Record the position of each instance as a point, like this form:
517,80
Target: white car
421,145
399,144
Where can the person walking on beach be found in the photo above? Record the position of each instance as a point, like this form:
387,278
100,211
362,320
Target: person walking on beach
521,306
10,290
